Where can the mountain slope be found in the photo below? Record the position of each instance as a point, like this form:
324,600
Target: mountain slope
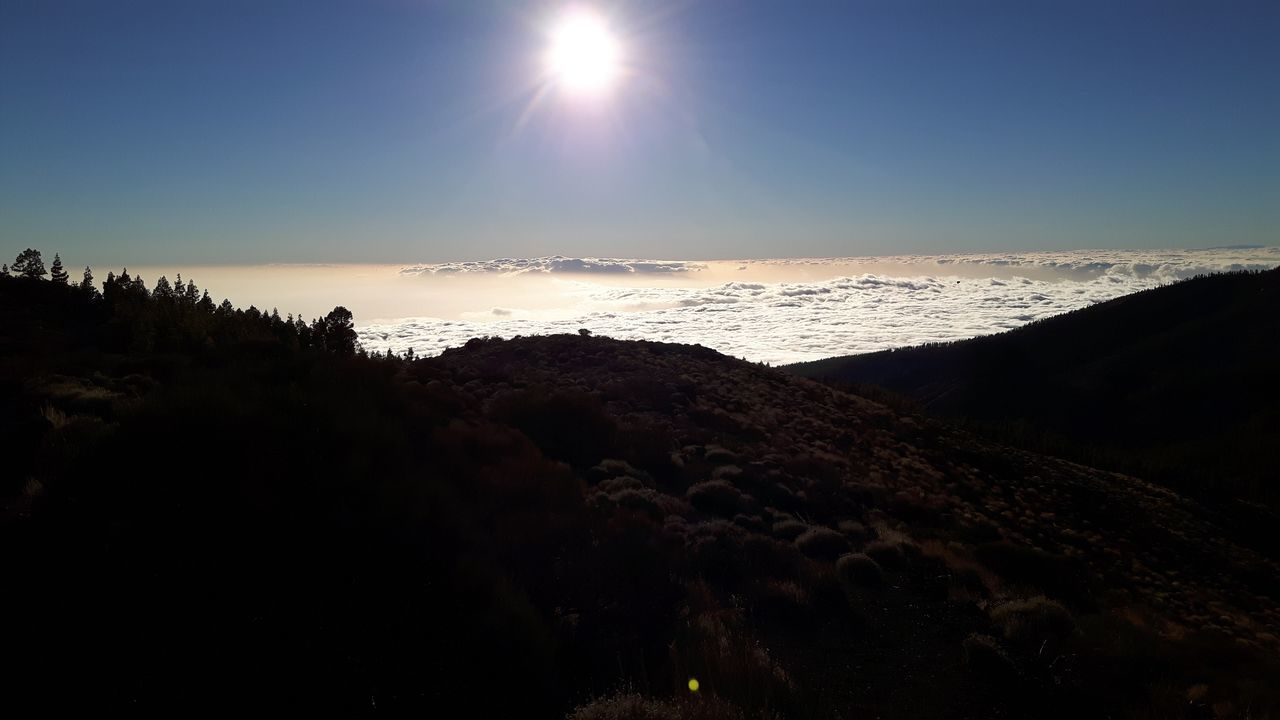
1175,384
541,524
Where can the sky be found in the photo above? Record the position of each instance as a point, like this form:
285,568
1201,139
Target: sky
169,132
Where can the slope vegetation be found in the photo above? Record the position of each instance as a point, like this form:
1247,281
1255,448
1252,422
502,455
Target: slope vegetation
1176,385
203,511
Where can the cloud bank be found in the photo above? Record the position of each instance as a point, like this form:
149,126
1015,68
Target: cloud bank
923,299
554,264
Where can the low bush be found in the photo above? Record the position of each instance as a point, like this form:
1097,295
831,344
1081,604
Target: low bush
715,496
614,468
642,707
854,530
887,554
1055,575
789,529
984,654
717,455
1034,623
640,501
859,570
822,543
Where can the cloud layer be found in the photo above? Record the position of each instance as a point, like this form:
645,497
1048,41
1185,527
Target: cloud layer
555,264
923,299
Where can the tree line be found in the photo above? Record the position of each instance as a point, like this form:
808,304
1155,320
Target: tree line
178,315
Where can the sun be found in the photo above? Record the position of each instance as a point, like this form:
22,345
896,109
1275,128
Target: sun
584,58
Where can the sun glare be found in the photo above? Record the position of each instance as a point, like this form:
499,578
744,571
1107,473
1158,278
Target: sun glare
584,57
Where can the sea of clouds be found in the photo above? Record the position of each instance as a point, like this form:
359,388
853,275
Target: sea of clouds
790,310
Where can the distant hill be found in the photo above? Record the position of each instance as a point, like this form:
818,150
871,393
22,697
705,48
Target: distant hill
1179,384
210,508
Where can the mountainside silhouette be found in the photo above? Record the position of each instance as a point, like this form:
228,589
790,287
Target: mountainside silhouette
203,509
1177,384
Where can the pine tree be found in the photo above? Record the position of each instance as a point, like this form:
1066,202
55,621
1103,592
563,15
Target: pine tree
57,273
86,284
163,290
339,333
4,271
206,303
29,264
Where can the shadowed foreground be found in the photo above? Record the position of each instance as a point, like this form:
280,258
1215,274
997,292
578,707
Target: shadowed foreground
203,510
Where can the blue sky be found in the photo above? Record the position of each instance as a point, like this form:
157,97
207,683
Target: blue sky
223,131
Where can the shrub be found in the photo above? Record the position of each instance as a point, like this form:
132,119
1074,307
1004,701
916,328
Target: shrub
769,557
641,707
854,530
1033,622
717,455
783,599
726,472
823,543
618,484
640,501
1055,575
859,570
778,495
983,654
888,555
789,529
612,468
715,496
750,522
714,550
730,662
566,425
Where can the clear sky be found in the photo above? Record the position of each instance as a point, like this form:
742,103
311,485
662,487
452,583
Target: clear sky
222,131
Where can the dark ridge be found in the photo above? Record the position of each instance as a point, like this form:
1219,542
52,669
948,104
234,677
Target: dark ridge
1177,384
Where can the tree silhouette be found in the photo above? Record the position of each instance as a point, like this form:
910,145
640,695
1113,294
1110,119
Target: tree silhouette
163,290
29,264
337,332
4,271
58,274
87,283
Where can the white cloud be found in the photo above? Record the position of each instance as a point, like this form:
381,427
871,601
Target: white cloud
555,264
918,299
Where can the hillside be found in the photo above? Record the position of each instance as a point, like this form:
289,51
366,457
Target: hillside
1177,385
204,509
